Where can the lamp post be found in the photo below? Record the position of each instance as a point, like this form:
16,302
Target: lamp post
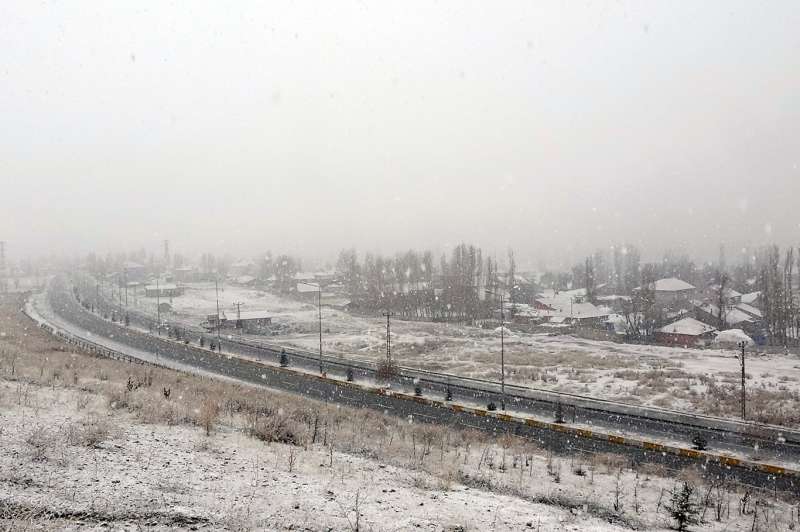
502,349
742,345
319,315
158,308
388,341
216,288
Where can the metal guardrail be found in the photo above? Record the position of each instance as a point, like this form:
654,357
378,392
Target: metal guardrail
90,347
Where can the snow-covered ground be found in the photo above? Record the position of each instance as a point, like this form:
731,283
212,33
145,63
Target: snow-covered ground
79,452
95,444
670,377
175,476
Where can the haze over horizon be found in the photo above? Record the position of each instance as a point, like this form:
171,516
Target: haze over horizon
553,129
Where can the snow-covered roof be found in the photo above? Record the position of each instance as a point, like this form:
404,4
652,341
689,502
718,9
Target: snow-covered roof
245,279
304,276
131,265
750,309
305,288
566,308
688,327
613,298
671,284
751,297
577,292
733,337
250,315
733,316
728,292
161,286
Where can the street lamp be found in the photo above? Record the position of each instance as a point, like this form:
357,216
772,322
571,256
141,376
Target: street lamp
319,314
742,345
216,289
158,308
502,349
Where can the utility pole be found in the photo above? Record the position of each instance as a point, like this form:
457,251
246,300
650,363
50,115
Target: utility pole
319,315
158,308
502,349
319,311
502,354
216,288
742,344
126,287
238,306
388,339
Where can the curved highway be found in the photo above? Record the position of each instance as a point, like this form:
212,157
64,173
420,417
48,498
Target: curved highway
583,423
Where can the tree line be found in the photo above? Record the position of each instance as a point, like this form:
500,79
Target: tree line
463,286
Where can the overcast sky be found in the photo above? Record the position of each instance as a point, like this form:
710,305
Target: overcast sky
554,128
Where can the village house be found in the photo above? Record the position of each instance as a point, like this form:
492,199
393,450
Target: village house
163,290
672,292
751,298
564,308
251,322
186,274
735,318
729,295
686,332
307,292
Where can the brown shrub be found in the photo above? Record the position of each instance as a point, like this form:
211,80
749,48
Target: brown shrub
274,426
90,432
209,412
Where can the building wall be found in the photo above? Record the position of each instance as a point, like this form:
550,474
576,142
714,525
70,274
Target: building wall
678,339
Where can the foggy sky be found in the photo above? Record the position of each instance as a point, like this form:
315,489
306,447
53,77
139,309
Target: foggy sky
306,127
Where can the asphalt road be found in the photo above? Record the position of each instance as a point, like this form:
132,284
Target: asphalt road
63,302
723,435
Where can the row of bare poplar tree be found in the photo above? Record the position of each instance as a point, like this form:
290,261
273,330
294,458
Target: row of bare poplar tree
463,287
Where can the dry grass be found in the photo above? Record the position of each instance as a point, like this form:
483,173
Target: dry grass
91,431
774,406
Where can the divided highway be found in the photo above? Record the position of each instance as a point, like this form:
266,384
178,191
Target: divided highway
589,424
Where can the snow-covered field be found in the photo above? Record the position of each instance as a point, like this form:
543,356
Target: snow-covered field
175,476
681,378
